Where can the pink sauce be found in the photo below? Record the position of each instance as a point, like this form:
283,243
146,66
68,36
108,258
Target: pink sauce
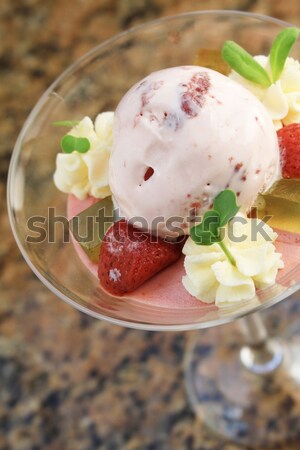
166,288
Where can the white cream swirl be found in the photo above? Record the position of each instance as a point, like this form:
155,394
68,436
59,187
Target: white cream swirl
211,277
83,174
281,99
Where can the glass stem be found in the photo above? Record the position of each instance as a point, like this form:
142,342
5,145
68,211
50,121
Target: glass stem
260,354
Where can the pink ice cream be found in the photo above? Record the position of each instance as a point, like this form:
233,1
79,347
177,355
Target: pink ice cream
182,135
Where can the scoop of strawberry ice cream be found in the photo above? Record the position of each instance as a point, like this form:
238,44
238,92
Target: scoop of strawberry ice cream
182,135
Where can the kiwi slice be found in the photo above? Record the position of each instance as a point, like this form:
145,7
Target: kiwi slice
90,226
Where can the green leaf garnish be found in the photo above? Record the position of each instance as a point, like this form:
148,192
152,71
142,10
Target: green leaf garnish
280,50
225,204
208,231
66,123
244,64
71,144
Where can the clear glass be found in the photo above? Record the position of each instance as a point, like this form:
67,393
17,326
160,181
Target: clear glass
96,83
245,385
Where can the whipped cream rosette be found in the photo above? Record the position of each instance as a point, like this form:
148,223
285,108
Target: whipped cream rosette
282,98
86,173
210,276
273,79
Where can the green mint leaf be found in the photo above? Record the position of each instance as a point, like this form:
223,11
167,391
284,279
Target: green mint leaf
225,204
71,144
66,123
280,50
207,232
244,64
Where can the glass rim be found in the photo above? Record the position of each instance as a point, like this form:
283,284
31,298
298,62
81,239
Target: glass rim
33,114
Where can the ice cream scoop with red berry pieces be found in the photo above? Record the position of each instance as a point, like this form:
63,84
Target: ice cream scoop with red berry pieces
181,136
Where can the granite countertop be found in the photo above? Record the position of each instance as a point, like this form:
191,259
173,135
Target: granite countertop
68,381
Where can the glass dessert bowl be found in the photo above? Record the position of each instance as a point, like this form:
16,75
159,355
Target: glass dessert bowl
97,83
38,211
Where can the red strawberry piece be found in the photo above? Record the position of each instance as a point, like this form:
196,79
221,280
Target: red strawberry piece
129,257
289,144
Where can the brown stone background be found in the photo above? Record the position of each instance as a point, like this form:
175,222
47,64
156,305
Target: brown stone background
68,382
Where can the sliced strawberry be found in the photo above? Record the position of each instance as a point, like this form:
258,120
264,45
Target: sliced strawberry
129,257
289,144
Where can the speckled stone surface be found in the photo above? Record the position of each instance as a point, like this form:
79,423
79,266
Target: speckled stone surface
69,382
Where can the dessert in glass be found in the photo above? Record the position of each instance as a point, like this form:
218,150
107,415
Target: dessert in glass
196,141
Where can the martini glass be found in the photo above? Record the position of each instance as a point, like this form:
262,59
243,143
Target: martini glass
237,387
